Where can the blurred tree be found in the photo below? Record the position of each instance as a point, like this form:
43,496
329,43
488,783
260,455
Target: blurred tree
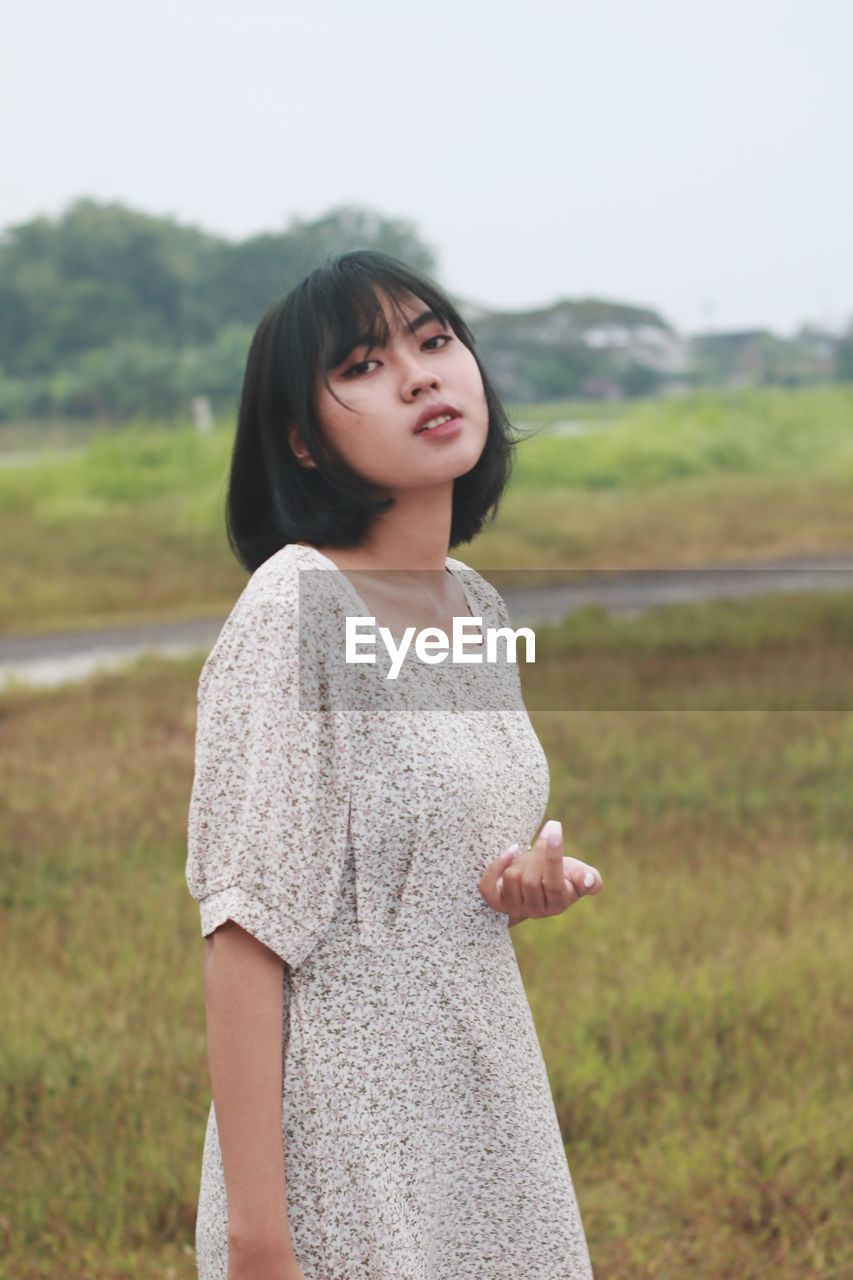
216,370
553,376
103,273
349,227
639,380
129,378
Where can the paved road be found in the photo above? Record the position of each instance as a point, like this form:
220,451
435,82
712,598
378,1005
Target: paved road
72,655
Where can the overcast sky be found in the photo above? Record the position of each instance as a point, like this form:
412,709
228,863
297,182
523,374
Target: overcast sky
693,157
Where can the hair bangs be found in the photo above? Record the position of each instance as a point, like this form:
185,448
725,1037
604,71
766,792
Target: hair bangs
349,311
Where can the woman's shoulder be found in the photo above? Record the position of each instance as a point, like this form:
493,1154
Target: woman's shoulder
271,590
265,615
281,569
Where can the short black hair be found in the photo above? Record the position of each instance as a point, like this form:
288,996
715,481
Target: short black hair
272,500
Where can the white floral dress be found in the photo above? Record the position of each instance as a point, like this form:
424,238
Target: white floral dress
419,1131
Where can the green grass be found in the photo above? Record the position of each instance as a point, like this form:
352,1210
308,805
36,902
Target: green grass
769,432
694,1017
544,413
774,653
133,528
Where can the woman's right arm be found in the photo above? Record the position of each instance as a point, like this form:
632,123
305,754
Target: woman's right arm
243,1000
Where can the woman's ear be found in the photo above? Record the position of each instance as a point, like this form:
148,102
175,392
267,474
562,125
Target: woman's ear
298,447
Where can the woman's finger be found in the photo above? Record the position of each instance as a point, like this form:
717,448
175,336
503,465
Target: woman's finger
554,891
584,878
548,848
511,897
490,881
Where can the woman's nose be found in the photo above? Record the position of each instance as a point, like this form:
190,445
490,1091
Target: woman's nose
419,378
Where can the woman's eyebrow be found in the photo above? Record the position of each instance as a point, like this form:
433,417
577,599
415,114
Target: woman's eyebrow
364,339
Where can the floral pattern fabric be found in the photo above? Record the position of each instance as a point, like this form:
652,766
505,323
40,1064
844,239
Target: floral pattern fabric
419,1131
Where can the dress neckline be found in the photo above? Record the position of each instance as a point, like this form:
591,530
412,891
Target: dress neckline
473,605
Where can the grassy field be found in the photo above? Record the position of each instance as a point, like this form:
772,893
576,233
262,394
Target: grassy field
132,528
694,1018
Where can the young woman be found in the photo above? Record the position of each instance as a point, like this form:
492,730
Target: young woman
380,1105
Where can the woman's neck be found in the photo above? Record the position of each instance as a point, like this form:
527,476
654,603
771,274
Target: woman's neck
413,535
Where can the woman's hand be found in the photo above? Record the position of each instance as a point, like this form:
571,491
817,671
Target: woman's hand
539,882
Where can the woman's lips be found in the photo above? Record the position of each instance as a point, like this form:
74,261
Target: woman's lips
450,428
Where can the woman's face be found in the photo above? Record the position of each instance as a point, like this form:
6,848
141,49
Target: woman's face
384,393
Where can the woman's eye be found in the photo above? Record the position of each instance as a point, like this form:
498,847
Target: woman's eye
353,367
353,370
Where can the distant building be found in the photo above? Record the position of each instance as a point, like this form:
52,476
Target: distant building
756,357
646,344
594,349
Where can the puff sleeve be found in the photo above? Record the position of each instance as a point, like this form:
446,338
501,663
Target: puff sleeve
269,808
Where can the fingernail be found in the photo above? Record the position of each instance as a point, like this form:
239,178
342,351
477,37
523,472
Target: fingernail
589,880
513,848
553,833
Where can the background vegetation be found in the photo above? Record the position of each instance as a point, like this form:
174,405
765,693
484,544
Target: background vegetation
131,527
694,1018
107,313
